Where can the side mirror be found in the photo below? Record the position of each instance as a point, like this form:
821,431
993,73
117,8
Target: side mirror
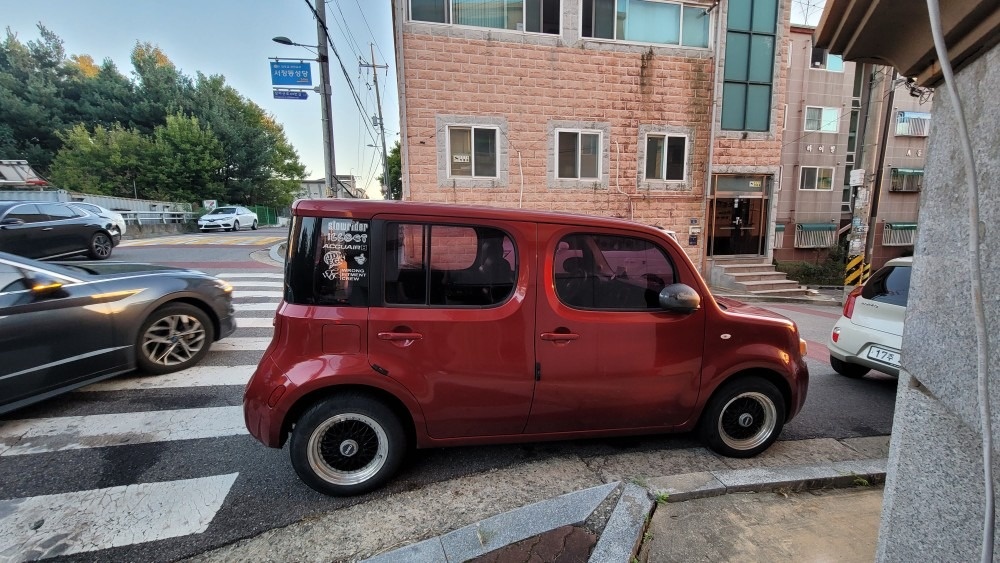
12,221
42,285
679,298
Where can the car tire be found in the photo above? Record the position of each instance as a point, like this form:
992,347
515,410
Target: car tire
348,444
743,417
236,227
254,226
100,246
174,337
854,371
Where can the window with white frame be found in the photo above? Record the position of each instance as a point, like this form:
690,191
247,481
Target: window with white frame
647,21
578,154
816,178
472,152
912,124
823,60
533,16
826,120
666,157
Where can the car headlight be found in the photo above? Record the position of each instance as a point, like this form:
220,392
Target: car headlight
224,286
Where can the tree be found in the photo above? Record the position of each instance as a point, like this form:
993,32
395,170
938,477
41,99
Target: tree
395,173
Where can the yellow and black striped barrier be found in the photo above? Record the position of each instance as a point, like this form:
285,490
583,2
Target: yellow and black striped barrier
857,270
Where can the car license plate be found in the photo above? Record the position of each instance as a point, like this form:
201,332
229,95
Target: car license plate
883,355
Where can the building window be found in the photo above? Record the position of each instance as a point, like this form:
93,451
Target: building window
646,21
816,178
906,180
823,60
826,120
472,152
534,16
751,38
578,155
666,157
912,124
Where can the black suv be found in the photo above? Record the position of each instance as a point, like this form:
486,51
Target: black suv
44,229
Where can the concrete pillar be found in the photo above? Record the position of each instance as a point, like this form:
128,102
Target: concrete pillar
934,503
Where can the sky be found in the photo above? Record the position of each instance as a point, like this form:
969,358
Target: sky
233,38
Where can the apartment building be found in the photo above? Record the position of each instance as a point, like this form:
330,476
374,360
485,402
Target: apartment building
664,112
839,118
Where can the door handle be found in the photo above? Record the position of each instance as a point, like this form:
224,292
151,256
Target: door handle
396,336
559,336
47,229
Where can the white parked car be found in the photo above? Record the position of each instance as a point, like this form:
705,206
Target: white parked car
113,216
229,218
869,334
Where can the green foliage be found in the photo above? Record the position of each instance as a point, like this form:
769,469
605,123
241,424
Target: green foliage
395,173
93,129
828,269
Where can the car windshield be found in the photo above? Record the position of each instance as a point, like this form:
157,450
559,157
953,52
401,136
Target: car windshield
224,211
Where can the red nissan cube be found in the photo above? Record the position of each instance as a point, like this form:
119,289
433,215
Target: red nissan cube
420,325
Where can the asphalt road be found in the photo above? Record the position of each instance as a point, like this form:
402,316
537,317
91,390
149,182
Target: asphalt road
257,489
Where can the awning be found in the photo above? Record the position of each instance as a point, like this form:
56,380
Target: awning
816,226
779,227
908,171
902,226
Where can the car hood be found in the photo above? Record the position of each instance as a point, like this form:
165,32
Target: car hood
117,269
738,307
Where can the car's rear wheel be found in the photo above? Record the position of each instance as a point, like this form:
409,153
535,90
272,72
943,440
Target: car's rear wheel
100,246
743,418
236,226
173,338
347,445
854,371
254,226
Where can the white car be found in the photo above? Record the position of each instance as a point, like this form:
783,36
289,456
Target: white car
869,334
113,216
229,218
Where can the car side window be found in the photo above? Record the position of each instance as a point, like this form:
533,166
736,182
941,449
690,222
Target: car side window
608,272
328,262
889,285
27,212
57,212
448,265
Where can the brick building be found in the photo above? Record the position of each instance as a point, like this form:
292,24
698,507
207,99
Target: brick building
839,117
604,107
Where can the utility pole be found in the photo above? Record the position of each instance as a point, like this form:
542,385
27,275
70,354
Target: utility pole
326,95
381,122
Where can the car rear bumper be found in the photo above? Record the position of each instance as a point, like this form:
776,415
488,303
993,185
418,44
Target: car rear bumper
853,344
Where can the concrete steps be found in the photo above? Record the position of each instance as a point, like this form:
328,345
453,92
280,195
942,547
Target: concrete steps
751,275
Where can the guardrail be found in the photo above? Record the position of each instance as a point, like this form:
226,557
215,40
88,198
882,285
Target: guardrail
160,217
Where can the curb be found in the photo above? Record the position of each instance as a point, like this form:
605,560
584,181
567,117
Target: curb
746,298
276,253
621,537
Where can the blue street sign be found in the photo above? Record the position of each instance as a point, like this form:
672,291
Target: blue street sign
290,95
291,74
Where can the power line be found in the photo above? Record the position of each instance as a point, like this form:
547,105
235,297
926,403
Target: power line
345,30
354,93
370,32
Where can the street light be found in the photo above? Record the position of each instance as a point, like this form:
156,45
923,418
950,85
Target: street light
329,159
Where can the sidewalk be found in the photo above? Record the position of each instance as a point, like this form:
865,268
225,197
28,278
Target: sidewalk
799,500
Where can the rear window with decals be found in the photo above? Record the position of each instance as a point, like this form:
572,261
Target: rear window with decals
328,262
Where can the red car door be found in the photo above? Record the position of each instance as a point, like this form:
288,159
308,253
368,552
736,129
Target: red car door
608,356
456,323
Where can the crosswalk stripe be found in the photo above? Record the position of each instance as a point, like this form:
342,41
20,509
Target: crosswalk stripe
233,275
238,283
258,240
198,376
254,322
257,294
82,521
41,435
241,344
239,307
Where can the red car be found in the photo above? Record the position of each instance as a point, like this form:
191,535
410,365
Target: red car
419,325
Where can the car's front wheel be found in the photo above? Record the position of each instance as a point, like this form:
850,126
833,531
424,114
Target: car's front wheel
236,226
854,371
254,226
743,418
347,445
100,246
174,337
